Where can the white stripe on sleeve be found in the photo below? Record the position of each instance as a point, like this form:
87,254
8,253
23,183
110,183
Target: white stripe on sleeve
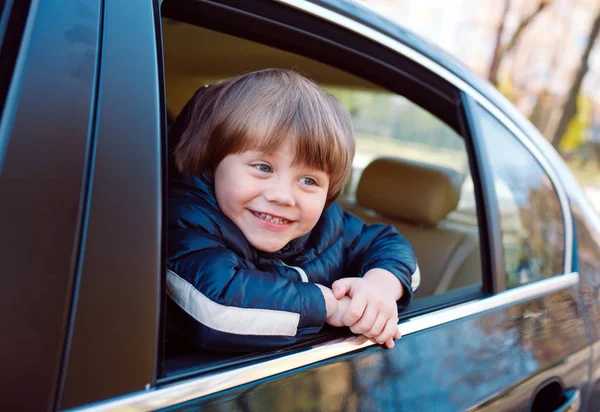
230,319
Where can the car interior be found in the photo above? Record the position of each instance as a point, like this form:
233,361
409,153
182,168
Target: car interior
423,195
411,170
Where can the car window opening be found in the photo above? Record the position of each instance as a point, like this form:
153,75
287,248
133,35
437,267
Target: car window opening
405,158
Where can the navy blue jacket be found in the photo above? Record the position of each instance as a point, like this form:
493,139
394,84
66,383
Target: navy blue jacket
230,297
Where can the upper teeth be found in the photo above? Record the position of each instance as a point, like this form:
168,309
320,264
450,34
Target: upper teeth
278,220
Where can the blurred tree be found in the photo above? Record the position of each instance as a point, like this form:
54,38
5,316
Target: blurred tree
574,135
570,106
500,51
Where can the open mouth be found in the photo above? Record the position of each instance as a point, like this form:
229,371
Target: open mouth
273,219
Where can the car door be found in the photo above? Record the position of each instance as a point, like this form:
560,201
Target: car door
47,85
511,339
588,265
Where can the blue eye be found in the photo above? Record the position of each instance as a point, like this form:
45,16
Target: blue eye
308,181
263,168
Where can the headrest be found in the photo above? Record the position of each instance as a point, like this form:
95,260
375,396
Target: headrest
407,190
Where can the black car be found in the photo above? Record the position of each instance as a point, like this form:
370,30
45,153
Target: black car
507,315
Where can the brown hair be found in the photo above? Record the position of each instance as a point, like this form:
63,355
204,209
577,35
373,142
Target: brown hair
260,111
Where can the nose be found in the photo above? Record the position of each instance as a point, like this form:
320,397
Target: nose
280,192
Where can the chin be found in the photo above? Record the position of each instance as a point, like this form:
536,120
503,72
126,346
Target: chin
269,248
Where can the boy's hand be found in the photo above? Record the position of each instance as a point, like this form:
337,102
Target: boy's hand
372,311
342,307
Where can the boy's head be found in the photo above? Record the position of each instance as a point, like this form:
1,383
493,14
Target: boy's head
261,111
280,149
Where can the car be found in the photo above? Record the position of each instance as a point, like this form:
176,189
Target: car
507,316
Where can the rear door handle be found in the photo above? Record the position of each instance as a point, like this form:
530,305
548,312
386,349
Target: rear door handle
573,402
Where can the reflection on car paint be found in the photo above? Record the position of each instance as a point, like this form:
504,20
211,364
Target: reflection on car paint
442,368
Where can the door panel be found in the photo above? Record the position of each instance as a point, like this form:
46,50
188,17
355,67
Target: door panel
492,361
44,144
117,310
588,265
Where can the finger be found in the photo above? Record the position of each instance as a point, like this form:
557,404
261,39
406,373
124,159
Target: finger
390,343
377,327
355,311
388,331
365,323
341,287
398,334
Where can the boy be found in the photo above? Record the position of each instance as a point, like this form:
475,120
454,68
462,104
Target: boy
259,255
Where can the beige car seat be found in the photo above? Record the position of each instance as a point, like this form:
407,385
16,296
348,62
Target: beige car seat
415,198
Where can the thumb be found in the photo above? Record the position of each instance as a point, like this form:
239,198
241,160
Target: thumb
341,287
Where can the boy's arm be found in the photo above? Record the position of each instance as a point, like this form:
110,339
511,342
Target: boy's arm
236,308
379,246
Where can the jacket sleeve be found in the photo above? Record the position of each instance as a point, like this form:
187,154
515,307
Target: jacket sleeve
380,246
232,308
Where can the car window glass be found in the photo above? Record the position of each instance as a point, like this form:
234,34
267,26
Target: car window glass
531,218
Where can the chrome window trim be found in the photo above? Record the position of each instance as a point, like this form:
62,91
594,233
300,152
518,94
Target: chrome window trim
195,388
381,38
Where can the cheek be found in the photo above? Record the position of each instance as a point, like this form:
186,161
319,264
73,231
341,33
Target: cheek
229,199
313,208
224,193
234,193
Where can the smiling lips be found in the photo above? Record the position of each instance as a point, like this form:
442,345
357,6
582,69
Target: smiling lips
273,219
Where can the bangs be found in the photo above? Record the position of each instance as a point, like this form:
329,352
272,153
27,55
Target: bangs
317,142
314,123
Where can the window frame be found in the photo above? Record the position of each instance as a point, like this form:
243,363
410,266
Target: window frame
487,197
249,21
528,145
114,328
